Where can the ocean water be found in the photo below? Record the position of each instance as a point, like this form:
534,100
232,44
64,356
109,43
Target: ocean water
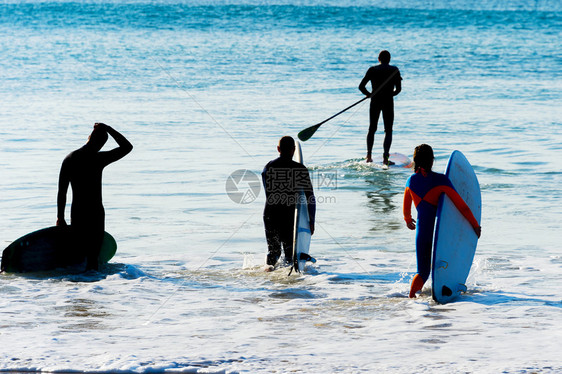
205,88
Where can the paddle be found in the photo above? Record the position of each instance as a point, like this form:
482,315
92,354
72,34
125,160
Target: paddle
307,133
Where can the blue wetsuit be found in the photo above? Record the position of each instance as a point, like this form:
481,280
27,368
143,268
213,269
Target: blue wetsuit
424,189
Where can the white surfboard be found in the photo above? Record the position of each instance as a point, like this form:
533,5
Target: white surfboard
455,239
400,161
301,233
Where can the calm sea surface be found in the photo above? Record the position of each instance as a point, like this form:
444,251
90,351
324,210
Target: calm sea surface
205,88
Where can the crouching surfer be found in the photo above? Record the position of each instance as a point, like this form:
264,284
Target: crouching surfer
424,188
282,178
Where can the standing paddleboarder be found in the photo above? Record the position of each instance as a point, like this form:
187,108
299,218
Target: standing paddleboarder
82,170
386,83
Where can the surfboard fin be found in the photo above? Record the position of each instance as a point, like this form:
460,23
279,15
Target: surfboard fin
307,257
462,287
446,291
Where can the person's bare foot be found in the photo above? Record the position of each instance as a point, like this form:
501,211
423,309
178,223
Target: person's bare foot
387,162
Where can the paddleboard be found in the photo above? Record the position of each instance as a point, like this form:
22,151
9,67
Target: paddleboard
400,161
455,239
49,249
301,231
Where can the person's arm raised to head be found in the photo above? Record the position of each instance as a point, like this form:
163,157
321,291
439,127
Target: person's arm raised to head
123,143
124,148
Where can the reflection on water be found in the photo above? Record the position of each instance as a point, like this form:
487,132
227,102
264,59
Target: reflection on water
384,198
82,315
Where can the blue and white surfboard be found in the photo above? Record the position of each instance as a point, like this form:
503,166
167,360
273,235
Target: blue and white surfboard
455,239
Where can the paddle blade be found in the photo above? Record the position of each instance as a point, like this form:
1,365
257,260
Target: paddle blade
307,133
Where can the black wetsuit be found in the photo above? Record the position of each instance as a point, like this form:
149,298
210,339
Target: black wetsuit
282,178
384,78
83,170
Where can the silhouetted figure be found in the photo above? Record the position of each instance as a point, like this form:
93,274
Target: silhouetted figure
82,169
386,83
282,179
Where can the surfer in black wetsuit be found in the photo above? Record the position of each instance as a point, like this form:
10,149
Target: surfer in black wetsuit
386,83
82,169
282,178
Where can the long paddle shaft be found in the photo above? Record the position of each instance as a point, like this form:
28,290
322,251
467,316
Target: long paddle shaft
307,133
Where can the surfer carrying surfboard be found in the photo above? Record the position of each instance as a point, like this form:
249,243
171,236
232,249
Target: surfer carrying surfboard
82,170
424,189
385,83
282,178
